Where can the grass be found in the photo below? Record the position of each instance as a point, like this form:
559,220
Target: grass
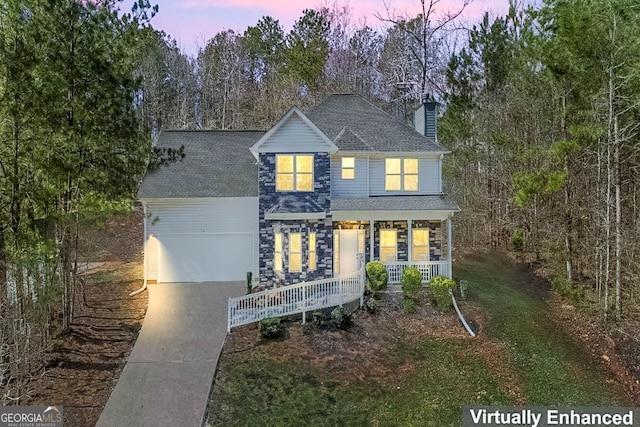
553,369
443,374
267,393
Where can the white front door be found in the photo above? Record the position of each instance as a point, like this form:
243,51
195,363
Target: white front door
347,249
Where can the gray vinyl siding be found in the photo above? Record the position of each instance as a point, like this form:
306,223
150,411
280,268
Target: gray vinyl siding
294,136
349,187
428,178
198,216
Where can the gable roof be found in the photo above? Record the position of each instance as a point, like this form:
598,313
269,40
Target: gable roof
216,164
349,114
322,143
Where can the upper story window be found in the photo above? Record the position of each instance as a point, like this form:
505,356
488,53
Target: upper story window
401,175
294,172
348,168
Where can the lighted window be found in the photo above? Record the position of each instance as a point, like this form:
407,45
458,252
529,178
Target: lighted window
401,174
360,241
295,252
277,257
294,172
388,245
312,251
348,167
420,239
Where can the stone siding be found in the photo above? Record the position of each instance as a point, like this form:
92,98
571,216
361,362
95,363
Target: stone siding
319,198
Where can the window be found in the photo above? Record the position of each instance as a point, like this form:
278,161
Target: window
312,251
401,175
295,252
277,256
420,239
348,168
388,245
294,172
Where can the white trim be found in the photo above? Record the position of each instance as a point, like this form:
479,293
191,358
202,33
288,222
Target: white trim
295,215
390,215
372,239
410,239
255,149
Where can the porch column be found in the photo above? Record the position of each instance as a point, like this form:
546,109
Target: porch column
449,247
372,239
409,240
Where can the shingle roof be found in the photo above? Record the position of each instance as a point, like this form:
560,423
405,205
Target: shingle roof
378,130
216,164
295,204
396,203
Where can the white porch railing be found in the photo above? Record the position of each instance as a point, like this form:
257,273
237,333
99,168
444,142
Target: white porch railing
298,298
428,269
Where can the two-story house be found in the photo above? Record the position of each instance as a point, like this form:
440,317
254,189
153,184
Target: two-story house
301,201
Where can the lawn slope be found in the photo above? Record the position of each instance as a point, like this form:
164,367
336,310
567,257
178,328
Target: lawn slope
389,371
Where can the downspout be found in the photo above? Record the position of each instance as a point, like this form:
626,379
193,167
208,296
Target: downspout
460,316
144,275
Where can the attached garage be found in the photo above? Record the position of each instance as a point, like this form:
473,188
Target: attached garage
201,222
200,240
205,257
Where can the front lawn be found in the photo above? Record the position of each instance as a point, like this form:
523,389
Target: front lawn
396,369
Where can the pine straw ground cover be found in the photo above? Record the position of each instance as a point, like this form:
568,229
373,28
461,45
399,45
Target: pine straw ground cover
84,364
397,369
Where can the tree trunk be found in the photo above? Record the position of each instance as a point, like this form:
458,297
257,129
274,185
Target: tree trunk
618,251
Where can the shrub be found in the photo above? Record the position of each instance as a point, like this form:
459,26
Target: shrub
411,282
317,318
517,239
409,305
566,288
439,287
377,277
270,327
371,304
340,318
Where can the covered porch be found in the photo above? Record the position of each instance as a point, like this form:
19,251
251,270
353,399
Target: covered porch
398,231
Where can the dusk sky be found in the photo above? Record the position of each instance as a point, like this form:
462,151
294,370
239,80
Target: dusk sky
193,22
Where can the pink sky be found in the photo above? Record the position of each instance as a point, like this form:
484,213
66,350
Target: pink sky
193,22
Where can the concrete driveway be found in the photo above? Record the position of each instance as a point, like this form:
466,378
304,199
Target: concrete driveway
167,378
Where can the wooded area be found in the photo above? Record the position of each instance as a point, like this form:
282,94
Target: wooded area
540,108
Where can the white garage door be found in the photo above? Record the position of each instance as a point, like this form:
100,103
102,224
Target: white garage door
205,257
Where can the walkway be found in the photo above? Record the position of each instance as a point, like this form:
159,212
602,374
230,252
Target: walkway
168,375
